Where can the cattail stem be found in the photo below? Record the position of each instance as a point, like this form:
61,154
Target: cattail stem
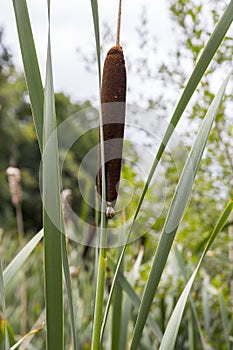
14,178
230,255
118,24
19,218
99,295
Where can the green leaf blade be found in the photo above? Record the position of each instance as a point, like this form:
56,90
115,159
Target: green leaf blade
169,338
52,218
31,67
175,212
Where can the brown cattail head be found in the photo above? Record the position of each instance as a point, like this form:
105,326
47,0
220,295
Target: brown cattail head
66,199
113,96
14,179
114,76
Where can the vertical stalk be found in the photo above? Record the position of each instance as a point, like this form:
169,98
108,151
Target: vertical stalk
23,287
19,218
99,294
118,24
230,255
99,299
14,179
117,312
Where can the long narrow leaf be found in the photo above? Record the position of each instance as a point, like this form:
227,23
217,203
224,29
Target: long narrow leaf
30,62
127,306
135,300
52,216
29,334
169,338
99,294
198,72
95,16
2,298
175,213
194,311
69,291
20,258
36,93
117,315
225,320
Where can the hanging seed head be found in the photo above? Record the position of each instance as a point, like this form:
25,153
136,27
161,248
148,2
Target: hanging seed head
73,271
66,198
113,96
14,179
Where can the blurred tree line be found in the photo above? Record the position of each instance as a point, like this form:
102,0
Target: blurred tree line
19,147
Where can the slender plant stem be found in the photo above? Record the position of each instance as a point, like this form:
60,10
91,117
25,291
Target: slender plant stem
118,24
99,299
19,218
23,286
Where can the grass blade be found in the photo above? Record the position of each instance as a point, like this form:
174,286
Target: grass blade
52,213
135,300
127,305
175,213
99,294
31,68
95,16
194,311
66,271
29,334
116,315
36,93
2,298
169,338
198,72
37,325
225,320
20,258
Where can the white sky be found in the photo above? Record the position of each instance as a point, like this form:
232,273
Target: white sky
72,27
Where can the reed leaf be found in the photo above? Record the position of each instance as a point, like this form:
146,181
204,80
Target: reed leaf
26,336
135,300
178,204
169,338
194,311
99,293
31,67
16,264
225,320
52,213
2,298
116,315
36,94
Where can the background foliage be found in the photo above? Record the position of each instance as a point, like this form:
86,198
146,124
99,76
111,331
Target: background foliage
212,292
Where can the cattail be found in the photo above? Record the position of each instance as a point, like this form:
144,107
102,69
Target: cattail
73,271
66,198
113,96
14,179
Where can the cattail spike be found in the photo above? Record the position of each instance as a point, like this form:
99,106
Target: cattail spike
14,178
113,96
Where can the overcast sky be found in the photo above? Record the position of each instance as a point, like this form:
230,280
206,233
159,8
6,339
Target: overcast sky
72,27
